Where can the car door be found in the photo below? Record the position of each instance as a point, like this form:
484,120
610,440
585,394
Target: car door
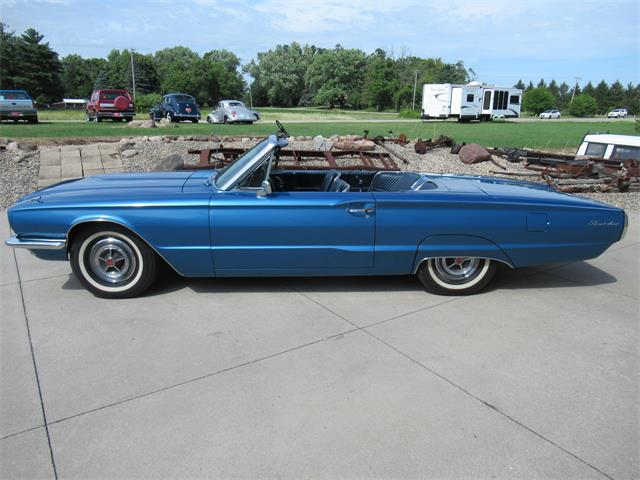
219,113
292,232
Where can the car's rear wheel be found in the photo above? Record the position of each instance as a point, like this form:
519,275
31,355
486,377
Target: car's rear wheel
456,275
112,263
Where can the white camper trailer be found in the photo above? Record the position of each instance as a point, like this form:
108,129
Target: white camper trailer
470,102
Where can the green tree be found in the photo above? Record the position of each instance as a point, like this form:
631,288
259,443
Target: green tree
584,105
602,96
520,84
616,95
541,84
230,81
336,77
279,74
554,90
563,95
537,100
38,67
8,57
381,82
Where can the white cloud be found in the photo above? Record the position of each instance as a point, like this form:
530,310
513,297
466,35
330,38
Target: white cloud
318,15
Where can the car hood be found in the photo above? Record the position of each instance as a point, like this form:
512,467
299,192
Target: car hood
113,187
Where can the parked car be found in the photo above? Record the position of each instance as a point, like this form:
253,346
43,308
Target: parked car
176,107
17,105
110,103
550,114
254,218
618,113
610,147
232,111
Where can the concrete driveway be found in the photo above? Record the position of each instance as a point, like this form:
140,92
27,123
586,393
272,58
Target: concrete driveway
330,377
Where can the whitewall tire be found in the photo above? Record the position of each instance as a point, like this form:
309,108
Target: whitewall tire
111,262
456,275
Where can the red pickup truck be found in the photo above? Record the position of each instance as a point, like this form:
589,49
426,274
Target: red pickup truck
110,103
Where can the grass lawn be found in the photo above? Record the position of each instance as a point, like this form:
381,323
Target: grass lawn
282,114
533,135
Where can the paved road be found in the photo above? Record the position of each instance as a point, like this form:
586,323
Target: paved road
330,377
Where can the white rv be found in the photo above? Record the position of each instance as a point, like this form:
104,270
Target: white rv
474,101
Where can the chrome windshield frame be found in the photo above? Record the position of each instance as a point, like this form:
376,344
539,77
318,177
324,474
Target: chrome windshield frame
251,164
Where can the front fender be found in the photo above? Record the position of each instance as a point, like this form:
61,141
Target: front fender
458,246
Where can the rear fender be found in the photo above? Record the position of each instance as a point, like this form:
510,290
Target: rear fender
458,246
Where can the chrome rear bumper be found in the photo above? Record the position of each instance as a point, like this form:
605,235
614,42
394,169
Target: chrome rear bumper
36,243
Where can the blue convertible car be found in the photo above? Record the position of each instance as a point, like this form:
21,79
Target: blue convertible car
253,218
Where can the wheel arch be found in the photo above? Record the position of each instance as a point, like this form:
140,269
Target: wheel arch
81,225
437,246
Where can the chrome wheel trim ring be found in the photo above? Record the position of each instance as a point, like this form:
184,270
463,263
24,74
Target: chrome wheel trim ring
480,270
456,269
102,286
112,260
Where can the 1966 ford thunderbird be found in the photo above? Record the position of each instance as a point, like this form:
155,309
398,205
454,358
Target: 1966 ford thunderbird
253,218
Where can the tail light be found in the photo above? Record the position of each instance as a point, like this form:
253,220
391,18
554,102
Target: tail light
233,114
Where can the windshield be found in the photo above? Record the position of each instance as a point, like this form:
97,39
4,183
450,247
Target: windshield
112,95
14,96
231,170
236,104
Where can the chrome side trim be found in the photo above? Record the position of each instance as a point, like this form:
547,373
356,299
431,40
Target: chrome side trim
36,244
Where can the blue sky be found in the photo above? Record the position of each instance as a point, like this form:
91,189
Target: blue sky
501,40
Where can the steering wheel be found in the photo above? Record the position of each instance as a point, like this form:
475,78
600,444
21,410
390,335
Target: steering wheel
281,128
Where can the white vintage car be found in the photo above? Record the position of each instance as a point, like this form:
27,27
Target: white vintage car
618,113
232,111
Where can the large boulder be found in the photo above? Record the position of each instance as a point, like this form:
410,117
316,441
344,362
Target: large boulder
129,153
474,153
357,145
170,163
141,124
321,144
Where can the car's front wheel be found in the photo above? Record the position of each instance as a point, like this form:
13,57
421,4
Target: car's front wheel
456,275
112,263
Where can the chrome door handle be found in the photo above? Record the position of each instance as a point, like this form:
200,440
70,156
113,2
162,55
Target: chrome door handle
366,211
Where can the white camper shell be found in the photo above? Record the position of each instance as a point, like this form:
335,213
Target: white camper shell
474,101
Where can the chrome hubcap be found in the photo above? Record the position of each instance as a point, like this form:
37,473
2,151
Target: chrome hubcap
456,269
112,260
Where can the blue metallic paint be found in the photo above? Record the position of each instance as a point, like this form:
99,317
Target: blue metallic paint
202,231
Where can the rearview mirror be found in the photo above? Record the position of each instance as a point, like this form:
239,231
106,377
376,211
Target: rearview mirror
265,189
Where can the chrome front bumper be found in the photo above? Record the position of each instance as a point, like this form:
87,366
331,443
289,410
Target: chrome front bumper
36,243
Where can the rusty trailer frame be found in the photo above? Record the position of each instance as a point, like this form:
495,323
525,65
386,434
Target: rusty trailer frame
296,159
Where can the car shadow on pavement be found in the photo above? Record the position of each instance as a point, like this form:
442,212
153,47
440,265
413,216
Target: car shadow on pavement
509,279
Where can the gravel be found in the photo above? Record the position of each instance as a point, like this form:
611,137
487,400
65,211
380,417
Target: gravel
20,177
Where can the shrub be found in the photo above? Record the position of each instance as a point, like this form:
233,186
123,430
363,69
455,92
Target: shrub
583,106
145,102
537,100
408,113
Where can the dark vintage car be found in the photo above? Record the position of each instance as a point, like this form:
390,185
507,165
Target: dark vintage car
256,218
176,107
17,105
114,104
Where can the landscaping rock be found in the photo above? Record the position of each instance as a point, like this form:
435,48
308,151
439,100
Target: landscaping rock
474,153
321,144
129,153
170,163
141,124
245,139
155,138
357,145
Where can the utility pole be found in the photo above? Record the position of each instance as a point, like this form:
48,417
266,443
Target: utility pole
133,76
573,93
415,84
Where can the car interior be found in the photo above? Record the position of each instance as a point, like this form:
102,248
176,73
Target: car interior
346,181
